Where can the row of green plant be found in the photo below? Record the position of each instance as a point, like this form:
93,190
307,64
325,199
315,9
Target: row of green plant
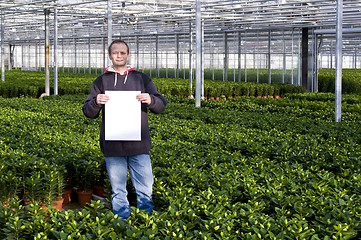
249,168
253,75
29,177
283,168
70,83
326,78
43,151
351,81
27,83
32,84
216,89
277,75
19,83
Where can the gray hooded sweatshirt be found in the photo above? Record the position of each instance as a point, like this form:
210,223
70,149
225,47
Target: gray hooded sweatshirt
130,80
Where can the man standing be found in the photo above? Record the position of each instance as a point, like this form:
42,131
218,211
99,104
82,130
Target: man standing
121,155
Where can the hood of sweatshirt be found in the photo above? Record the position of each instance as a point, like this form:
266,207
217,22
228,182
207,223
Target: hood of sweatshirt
110,69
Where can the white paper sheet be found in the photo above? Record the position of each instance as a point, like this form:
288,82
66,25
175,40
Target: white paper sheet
123,116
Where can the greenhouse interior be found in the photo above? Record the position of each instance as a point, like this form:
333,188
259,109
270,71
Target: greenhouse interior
260,137
162,34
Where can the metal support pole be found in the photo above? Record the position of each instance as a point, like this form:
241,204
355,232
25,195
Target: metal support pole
29,59
55,50
245,57
317,62
284,58
239,57
293,82
338,80
151,63
305,58
299,72
225,63
198,54
22,56
2,46
202,60
62,54
254,57
82,59
9,58
75,70
177,53
190,57
314,61
331,58
355,60
259,58
234,58
37,55
269,58
156,54
47,52
137,42
110,24
166,64
104,45
89,56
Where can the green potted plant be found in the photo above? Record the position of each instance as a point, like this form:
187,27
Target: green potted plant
271,91
85,171
277,92
99,180
69,180
244,89
237,91
50,187
215,93
266,90
252,90
260,90
9,185
33,190
60,184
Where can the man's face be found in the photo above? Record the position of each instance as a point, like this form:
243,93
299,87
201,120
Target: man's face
119,55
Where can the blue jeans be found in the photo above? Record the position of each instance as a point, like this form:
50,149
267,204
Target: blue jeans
141,174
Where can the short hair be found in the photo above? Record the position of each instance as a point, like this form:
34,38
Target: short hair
117,41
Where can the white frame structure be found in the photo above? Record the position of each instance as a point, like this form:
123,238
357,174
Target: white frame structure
229,34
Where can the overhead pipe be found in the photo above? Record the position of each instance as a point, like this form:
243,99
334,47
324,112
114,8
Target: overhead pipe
333,31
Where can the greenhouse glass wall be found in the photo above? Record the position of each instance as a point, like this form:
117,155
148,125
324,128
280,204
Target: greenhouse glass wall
237,37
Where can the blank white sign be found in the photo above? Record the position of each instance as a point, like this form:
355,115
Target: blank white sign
123,116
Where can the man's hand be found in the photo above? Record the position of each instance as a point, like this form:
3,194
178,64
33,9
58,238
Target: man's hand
102,99
144,98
